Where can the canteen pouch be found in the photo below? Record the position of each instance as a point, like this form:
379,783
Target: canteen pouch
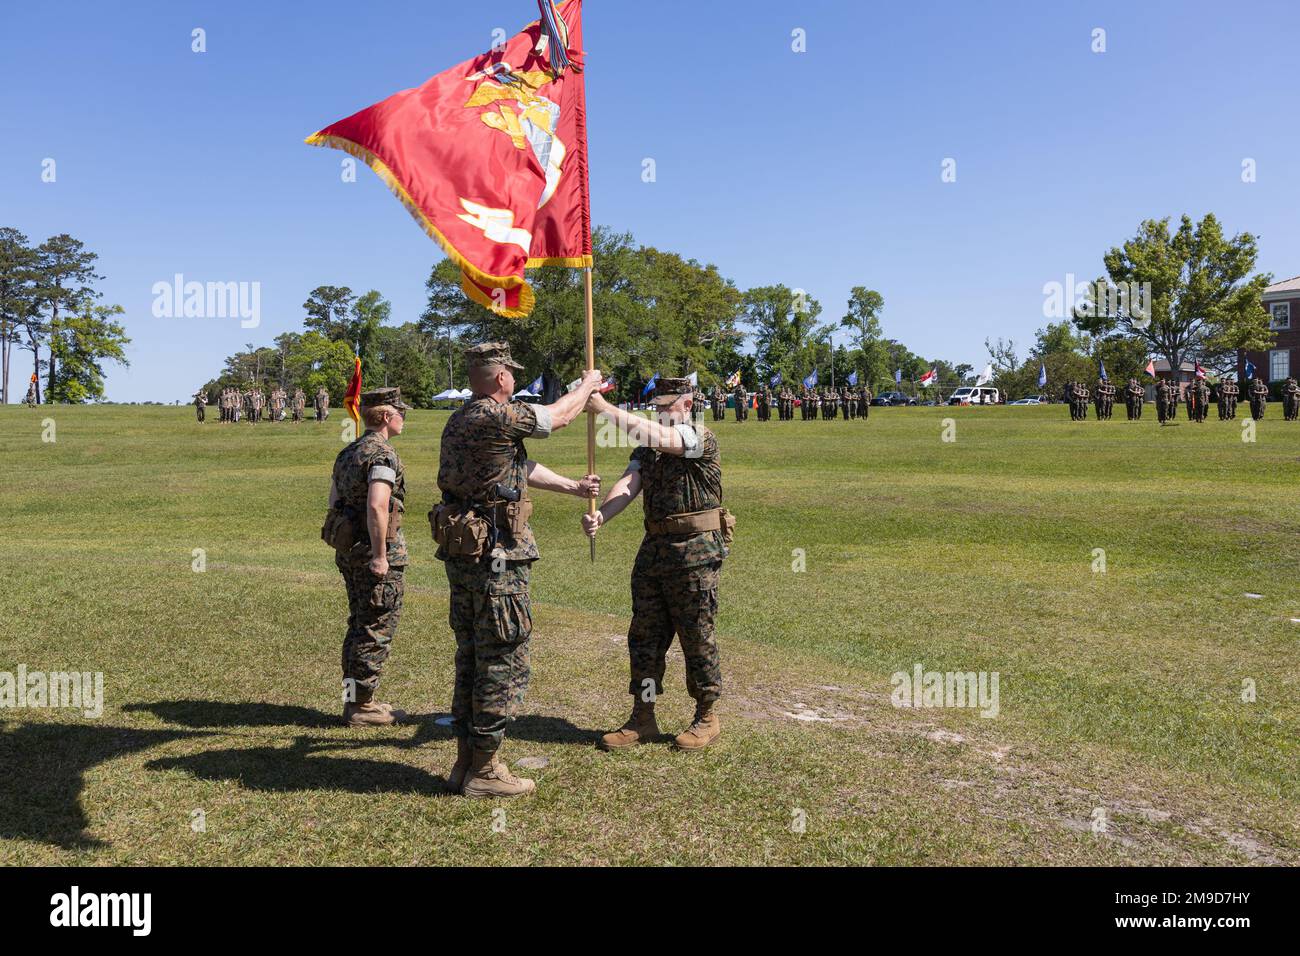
462,533
338,531
728,525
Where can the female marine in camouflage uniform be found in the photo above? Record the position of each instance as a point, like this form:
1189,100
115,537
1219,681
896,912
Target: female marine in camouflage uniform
678,567
368,493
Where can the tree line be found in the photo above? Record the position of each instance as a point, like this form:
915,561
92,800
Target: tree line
658,312
1204,303
49,307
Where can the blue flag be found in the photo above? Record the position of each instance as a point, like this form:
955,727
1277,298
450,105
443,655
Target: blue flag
811,380
898,376
1042,374
853,378
536,387
649,386
1250,369
1104,376
776,379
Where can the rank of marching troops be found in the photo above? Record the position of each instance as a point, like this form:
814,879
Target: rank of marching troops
826,403
485,542
1195,396
254,405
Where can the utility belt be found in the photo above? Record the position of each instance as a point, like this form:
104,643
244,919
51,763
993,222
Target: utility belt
695,522
344,527
472,530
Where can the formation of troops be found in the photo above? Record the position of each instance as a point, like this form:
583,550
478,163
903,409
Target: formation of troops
847,402
1195,396
254,405
484,539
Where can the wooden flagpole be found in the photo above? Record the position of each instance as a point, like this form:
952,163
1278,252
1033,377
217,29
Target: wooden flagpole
591,416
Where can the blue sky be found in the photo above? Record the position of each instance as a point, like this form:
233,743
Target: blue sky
820,169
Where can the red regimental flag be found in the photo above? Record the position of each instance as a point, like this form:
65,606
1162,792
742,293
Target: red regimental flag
490,157
352,397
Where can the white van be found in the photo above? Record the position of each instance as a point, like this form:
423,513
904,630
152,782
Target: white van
975,395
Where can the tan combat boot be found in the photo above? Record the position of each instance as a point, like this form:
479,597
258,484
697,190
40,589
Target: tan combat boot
703,731
464,756
641,728
371,714
489,777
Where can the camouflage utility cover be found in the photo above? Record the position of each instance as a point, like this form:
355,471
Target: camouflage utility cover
483,445
369,458
672,484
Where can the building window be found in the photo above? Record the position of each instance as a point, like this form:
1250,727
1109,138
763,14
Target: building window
1281,316
1279,365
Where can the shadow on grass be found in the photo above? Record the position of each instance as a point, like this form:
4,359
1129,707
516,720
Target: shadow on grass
43,772
215,713
304,767
220,713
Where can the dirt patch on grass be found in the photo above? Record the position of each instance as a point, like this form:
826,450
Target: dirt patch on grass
1017,783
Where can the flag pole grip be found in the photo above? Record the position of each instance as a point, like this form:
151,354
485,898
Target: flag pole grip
591,417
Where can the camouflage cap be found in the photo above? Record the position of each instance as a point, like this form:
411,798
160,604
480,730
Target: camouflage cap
670,389
490,353
383,396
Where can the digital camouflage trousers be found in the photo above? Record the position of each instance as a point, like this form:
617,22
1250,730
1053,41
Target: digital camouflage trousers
491,617
682,604
374,607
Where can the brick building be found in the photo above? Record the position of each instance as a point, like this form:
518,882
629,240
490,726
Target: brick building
1282,360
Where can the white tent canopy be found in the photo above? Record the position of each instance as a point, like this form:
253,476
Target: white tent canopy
452,394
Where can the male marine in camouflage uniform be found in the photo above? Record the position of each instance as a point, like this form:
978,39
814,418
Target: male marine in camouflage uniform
1133,397
322,404
1166,402
719,404
1231,392
1290,400
201,405
1258,397
677,569
369,491
742,402
1200,391
484,473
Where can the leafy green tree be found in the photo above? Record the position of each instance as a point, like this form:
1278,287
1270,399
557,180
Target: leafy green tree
405,356
654,311
79,343
329,312
316,360
369,313
786,336
64,284
18,280
1205,302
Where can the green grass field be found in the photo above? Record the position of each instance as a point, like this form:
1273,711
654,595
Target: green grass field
1121,691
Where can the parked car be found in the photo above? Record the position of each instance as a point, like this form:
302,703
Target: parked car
1025,401
974,395
893,398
